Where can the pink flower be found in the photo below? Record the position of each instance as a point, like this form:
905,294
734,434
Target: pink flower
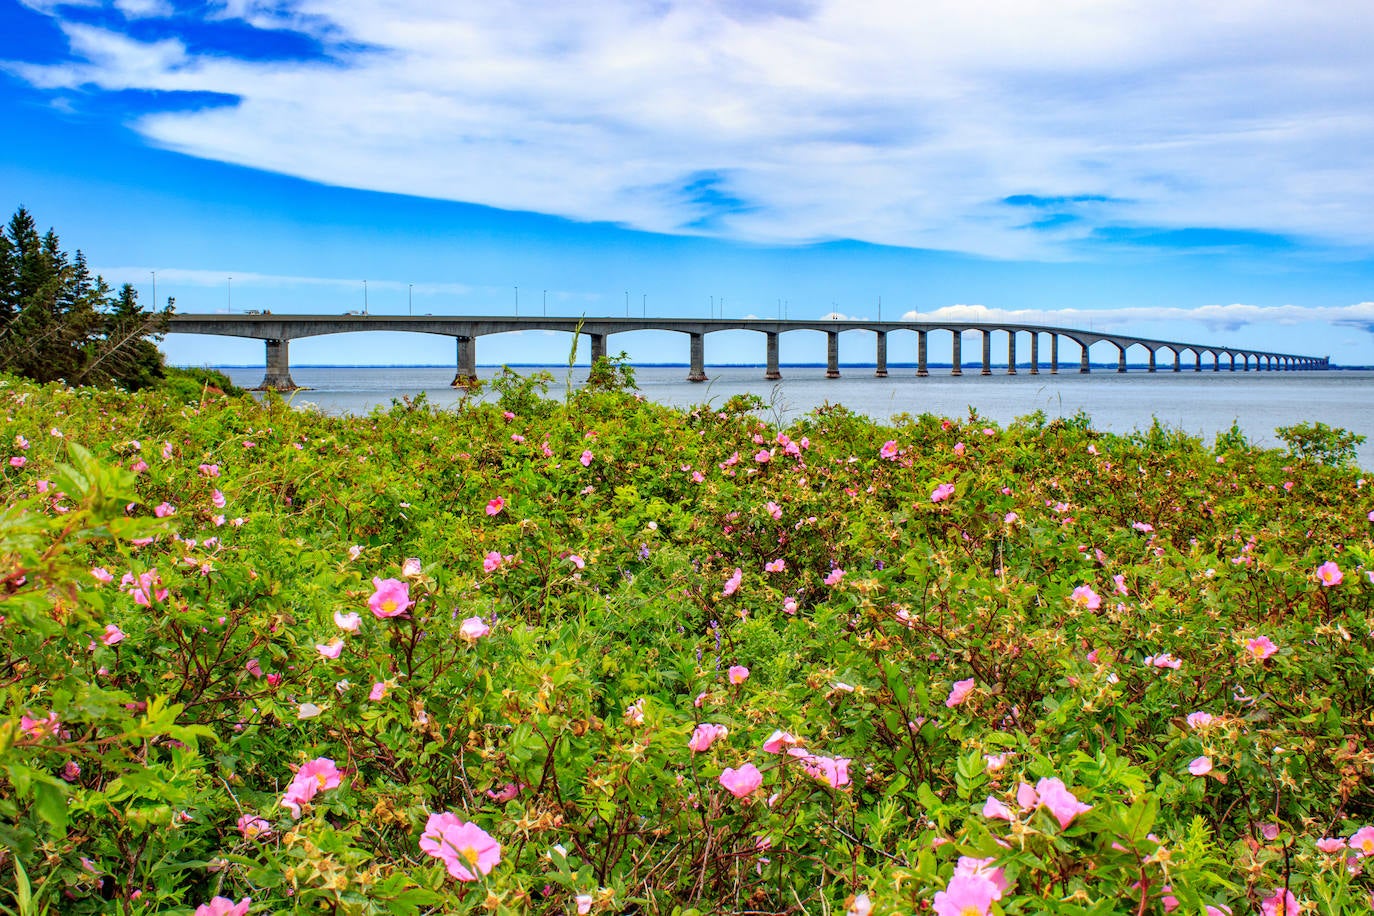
789,605
113,635
738,674
391,598
492,561
38,729
139,466
209,470
959,692
1026,797
763,456
941,493
1010,518
1260,648
996,809
774,510
1330,574
101,575
505,793
1362,841
167,451
314,777
835,576
744,781
833,771
253,667
495,506
1163,660
777,741
1119,585
18,461
774,566
1084,597
223,906
1143,527
349,622
71,771
584,904
705,735
164,509
586,459
377,692
1055,796
332,649
732,584
1200,766
983,868
862,906
1330,844
217,498
1282,903
959,449
253,827
473,629
966,895
464,848
888,451
1199,719
411,567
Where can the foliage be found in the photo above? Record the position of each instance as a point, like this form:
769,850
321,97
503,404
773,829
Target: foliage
1322,443
191,384
326,663
57,322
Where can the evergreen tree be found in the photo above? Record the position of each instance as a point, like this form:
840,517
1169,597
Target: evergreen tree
59,322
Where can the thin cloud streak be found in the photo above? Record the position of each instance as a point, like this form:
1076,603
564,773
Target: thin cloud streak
1215,317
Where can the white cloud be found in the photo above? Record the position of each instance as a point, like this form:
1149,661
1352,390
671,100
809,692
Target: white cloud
895,123
1214,317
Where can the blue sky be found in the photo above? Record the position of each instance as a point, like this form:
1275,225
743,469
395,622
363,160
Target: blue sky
1142,167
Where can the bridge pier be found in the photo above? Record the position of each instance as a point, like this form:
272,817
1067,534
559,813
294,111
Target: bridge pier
1035,353
598,346
1011,352
697,372
832,354
773,373
466,375
1178,367
1198,354
1152,360
1216,361
278,374
921,370
1233,361
1120,358
957,362
1054,354
987,353
881,371
1245,363
1083,367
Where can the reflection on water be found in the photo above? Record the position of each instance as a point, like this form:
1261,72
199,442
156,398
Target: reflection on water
1202,404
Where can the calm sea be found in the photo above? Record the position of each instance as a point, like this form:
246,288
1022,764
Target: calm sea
1202,404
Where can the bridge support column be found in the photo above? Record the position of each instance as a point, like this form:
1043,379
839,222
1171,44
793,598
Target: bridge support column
466,376
832,354
957,361
1177,362
1233,361
987,353
598,346
278,375
1035,353
1245,364
1152,361
1216,361
1054,354
1198,354
1083,366
772,373
1011,352
881,371
1120,359
697,372
921,370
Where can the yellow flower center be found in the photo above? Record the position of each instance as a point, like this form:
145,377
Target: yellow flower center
469,853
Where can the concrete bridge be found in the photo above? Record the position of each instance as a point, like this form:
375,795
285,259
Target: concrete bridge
277,331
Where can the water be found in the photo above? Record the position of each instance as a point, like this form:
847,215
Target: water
1201,404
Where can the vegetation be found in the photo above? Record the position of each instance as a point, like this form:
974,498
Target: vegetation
57,322
596,655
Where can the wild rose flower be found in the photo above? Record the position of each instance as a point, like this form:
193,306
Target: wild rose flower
705,735
113,635
1010,518
634,713
223,906
1163,660
18,461
983,868
732,584
253,827
1281,903
763,456
738,674
164,509
1330,574
586,459
832,771
1199,719
742,782
862,906
312,778
253,667
959,692
959,449
492,561
377,692
996,809
465,849
966,895
941,493
1261,648
473,629
1200,766
835,576
584,904
71,771
888,451
37,729
412,567
1119,584
777,741
1084,597
494,506
1330,844
390,598
1060,802
332,649
774,510
1362,841
355,551
217,499
1026,797
101,575
774,566
505,793
789,605
208,470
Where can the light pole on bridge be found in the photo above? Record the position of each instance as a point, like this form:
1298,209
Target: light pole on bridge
627,303
517,302
546,303
410,297
364,297
231,295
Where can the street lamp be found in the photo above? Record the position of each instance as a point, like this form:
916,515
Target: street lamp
517,302
410,297
231,295
546,303
364,297
627,303
644,307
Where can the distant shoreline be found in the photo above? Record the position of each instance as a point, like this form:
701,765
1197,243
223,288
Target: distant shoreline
1065,368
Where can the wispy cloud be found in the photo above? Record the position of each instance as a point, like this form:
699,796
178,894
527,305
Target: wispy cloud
223,278
1214,317
1006,128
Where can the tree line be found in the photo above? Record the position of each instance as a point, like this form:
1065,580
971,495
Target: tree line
58,322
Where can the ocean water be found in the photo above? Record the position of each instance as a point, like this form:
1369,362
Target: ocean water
1202,404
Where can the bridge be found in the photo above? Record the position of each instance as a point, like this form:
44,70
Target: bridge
277,332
